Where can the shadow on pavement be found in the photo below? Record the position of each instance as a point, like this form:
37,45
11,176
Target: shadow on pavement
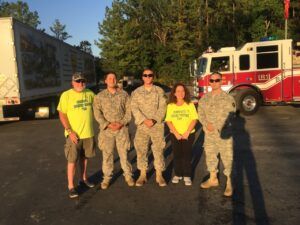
197,149
246,172
96,178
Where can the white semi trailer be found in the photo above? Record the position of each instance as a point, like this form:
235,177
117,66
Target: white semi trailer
34,69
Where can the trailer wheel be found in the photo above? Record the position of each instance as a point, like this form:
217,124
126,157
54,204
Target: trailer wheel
248,102
52,109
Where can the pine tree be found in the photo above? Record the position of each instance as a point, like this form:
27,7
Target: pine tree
20,11
85,46
59,30
167,35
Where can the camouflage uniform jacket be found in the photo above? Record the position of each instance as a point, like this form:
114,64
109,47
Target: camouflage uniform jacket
110,108
148,104
217,110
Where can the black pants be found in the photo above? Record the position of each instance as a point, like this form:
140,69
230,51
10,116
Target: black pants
182,155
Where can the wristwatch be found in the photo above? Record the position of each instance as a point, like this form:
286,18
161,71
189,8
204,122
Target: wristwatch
69,130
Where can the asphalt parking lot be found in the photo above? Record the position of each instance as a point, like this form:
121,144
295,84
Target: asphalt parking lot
266,161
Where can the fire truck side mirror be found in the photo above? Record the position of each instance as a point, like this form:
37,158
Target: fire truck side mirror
193,68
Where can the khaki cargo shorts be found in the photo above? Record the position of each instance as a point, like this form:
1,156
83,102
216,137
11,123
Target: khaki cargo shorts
84,149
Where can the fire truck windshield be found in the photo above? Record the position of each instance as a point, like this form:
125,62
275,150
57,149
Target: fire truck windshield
202,66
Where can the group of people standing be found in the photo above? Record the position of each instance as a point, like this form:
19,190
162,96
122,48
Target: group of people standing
113,109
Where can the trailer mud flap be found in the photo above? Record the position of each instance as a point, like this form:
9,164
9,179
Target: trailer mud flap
2,118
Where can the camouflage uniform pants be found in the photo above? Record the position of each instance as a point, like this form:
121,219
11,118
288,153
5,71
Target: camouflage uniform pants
154,134
214,145
108,140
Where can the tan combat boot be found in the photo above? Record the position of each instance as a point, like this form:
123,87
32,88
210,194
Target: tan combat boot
228,190
211,182
160,179
105,183
129,181
142,179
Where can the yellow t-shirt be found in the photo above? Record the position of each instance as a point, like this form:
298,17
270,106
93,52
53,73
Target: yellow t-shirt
181,116
78,108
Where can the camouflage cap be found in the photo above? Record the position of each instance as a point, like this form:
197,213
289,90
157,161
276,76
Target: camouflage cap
78,76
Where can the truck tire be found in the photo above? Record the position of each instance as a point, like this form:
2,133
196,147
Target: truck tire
248,102
52,110
26,113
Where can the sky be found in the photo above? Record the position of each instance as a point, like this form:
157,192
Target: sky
81,17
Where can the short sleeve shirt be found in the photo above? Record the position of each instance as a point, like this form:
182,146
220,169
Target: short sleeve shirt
78,108
181,116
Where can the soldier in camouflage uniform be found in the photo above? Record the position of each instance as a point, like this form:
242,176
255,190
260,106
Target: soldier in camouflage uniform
215,111
112,111
148,105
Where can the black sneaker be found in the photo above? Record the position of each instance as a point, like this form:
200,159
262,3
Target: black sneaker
87,183
73,193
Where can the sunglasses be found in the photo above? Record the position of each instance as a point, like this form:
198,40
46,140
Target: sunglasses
148,75
80,81
214,81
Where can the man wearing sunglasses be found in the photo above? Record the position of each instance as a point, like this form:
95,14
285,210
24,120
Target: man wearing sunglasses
76,116
148,105
112,111
215,111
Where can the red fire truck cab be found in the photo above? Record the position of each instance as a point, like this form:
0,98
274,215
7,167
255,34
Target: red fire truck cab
266,72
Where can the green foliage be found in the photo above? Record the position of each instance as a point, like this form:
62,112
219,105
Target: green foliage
19,10
294,24
167,35
59,30
85,46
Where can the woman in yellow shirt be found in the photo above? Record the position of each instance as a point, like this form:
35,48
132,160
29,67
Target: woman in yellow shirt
181,119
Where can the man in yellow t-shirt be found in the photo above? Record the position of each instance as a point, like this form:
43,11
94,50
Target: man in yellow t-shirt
76,116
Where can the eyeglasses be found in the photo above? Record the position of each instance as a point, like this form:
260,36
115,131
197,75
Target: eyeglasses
80,81
148,75
214,81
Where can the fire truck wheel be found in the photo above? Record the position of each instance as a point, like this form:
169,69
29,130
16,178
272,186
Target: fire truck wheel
248,102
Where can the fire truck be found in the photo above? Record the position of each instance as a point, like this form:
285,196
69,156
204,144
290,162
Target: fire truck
257,73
